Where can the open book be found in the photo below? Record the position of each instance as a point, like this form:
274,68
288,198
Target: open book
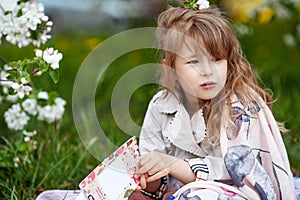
113,178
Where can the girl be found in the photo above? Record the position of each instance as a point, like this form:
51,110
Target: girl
209,131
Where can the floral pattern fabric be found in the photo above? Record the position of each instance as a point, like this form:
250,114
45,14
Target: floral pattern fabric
253,165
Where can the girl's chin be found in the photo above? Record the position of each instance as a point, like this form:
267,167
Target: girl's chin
200,97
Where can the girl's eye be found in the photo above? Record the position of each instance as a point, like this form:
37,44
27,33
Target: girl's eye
215,59
193,62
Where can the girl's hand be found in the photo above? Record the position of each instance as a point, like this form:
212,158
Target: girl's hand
144,185
141,181
155,165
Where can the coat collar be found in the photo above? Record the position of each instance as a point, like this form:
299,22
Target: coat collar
179,131
166,104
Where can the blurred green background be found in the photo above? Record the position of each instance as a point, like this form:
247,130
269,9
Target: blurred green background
63,162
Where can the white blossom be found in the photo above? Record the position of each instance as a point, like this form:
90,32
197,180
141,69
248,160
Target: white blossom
15,118
202,4
4,81
45,18
29,133
38,53
7,25
26,139
52,57
30,106
5,90
32,12
21,89
18,39
12,98
52,113
47,113
27,159
8,4
17,29
16,161
37,72
23,80
43,95
42,38
60,102
59,111
34,144
49,23
289,40
282,12
242,29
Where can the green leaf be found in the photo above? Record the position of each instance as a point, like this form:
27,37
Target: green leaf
52,96
19,14
23,1
13,64
187,4
11,91
34,35
54,75
128,193
22,147
26,75
191,4
195,7
44,67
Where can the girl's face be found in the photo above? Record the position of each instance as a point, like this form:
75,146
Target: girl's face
201,76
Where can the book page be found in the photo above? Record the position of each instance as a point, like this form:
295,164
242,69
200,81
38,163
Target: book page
114,179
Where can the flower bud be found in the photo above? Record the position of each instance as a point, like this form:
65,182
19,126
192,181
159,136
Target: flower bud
39,53
49,23
43,95
45,18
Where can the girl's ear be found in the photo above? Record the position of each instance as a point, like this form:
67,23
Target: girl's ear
163,61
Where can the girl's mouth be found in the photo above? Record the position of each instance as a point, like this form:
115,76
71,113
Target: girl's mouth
208,85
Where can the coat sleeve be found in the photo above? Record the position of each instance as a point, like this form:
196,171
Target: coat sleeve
151,138
209,168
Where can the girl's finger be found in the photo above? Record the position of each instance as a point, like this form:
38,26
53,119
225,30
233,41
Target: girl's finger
158,175
153,171
146,168
143,182
138,188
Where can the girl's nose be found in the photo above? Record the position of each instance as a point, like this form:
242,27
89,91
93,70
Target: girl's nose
204,68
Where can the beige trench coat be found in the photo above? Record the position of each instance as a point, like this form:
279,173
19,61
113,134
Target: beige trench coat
167,128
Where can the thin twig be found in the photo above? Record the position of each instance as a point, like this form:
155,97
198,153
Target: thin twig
35,72
4,60
5,80
1,7
8,70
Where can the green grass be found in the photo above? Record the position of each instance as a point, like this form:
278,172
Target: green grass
61,160
278,67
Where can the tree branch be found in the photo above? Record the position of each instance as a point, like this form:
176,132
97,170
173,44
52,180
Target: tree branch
3,60
1,8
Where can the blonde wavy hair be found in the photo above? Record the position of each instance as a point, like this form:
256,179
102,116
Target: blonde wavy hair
212,29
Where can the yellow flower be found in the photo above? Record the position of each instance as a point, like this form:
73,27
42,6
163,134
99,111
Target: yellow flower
265,15
239,9
241,16
91,43
297,6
